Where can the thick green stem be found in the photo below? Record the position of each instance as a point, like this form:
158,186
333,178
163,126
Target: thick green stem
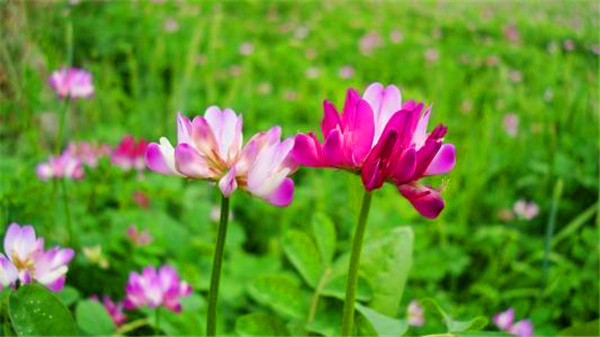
211,318
65,195
359,234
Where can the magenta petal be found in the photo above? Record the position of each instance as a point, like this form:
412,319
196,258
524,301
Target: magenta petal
307,150
443,162
405,166
425,155
424,199
160,158
331,118
57,285
282,195
378,166
190,163
332,150
362,132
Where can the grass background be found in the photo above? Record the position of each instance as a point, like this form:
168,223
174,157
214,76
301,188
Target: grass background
475,61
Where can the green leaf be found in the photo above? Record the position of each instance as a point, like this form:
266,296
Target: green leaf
68,295
452,325
260,324
36,311
381,324
385,264
302,251
93,318
585,329
325,235
191,321
328,322
281,293
336,287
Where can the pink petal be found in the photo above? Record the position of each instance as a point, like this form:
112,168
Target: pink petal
420,134
424,199
384,102
405,166
190,163
443,162
332,150
44,171
161,158
362,131
228,184
379,163
308,150
184,129
331,118
282,195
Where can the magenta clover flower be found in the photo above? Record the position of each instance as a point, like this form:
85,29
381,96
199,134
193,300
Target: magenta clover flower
65,166
156,288
72,82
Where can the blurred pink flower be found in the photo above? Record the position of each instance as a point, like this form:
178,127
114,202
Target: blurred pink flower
264,88
72,82
64,166
432,55
156,288
596,49
141,199
396,36
526,210
515,76
246,48
115,310
512,34
138,238
129,154
569,45
301,32
312,72
492,60
504,322
27,256
416,315
170,25
346,72
383,140
210,148
369,42
511,124
89,153
235,70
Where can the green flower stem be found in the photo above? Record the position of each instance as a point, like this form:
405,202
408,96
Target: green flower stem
125,328
62,119
348,317
65,195
211,318
157,321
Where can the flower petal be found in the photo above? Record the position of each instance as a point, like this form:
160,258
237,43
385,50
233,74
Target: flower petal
308,151
190,163
405,166
161,158
384,102
443,162
332,150
424,199
283,194
228,184
331,118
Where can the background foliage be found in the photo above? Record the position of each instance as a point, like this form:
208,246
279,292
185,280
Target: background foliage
476,62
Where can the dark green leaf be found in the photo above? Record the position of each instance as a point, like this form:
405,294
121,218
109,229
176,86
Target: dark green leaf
93,318
36,311
302,251
260,324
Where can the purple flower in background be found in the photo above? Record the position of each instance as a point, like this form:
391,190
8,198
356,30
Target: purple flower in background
569,45
504,321
72,82
246,48
346,72
115,310
432,55
512,34
415,315
156,288
396,36
64,166
526,210
511,124
130,154
26,254
139,238
369,42
89,153
170,25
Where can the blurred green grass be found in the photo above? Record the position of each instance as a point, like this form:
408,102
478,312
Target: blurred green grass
475,62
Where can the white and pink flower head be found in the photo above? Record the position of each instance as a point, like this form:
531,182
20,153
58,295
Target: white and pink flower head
130,154
115,310
210,148
416,314
26,254
384,140
156,288
64,166
72,82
